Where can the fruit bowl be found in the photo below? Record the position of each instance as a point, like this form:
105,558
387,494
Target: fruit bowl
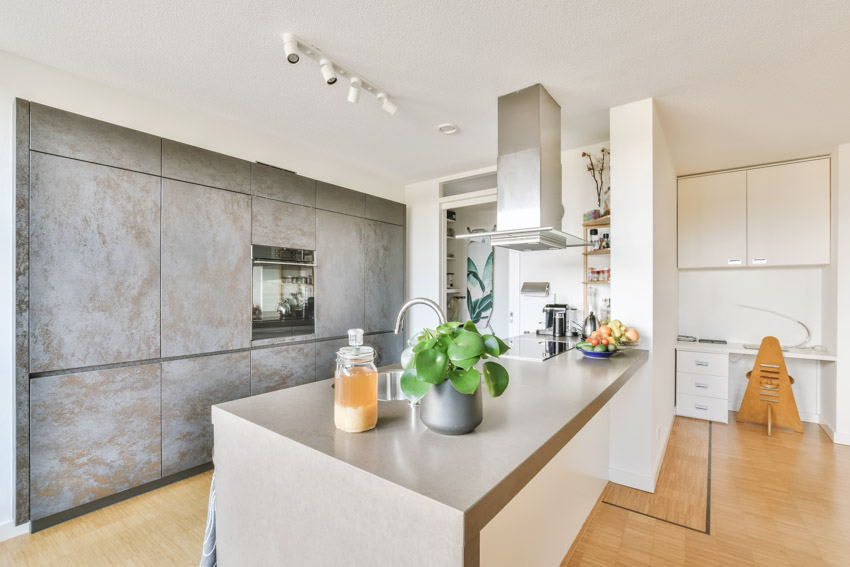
594,354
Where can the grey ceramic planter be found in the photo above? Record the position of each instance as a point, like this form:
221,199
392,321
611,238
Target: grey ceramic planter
447,411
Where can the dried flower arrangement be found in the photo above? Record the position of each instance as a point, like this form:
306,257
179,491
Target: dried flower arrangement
596,167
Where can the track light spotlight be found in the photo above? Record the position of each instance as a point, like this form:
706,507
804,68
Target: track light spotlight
388,105
327,71
354,90
290,48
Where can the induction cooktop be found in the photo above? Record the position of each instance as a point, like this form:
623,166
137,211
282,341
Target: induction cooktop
533,347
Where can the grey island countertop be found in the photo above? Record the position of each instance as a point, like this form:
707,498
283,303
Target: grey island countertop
544,407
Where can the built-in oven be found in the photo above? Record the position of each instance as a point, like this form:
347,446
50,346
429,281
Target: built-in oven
283,284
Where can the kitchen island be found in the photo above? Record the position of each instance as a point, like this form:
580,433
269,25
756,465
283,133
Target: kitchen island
293,490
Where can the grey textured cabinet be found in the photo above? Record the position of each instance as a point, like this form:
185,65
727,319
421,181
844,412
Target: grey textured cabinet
94,256
340,200
388,347
384,210
206,269
275,223
190,387
204,167
282,367
55,131
282,185
326,357
93,434
339,283
384,274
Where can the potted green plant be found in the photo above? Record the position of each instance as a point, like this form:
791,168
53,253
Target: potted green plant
444,364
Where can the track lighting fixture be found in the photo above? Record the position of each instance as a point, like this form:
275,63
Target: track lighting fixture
294,48
388,105
354,90
327,69
290,48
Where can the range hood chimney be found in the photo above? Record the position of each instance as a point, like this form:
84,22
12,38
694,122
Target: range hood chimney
528,175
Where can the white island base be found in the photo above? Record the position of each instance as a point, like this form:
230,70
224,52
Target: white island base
292,490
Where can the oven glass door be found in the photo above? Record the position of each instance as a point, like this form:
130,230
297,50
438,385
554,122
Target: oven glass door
283,302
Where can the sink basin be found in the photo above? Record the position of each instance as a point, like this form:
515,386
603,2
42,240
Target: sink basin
389,386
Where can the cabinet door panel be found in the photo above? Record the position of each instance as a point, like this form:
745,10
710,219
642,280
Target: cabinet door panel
340,200
384,210
384,275
62,133
339,283
713,220
788,214
197,165
94,256
274,223
326,357
282,367
93,434
190,387
273,183
206,269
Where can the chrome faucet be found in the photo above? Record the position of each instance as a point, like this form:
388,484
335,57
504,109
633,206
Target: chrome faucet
411,303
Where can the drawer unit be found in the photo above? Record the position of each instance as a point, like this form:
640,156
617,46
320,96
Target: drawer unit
701,407
711,364
702,385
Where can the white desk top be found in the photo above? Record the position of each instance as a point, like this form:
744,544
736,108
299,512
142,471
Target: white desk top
738,348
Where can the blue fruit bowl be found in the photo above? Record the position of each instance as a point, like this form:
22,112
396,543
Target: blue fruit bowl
594,354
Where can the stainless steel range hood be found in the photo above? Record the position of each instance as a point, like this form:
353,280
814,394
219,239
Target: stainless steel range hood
528,175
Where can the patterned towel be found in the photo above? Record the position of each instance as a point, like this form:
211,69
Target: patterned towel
208,558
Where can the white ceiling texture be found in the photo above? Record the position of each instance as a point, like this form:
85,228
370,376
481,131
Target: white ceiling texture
736,82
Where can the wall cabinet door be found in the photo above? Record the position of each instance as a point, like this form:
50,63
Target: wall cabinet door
713,220
788,214
275,223
339,274
384,247
206,269
282,367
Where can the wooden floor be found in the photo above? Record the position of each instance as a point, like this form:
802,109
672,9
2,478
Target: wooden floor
781,500
681,493
161,528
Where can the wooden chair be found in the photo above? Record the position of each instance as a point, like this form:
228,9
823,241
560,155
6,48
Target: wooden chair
769,398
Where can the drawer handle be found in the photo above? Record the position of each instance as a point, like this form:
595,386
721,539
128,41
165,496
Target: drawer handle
701,363
701,406
759,261
734,262
700,384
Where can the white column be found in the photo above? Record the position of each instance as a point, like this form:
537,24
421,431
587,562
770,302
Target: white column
644,288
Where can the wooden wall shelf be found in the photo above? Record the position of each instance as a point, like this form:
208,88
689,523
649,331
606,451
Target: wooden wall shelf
596,252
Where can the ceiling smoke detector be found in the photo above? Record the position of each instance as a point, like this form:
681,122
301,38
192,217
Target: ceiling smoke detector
447,128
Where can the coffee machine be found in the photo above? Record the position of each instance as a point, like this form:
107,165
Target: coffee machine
559,320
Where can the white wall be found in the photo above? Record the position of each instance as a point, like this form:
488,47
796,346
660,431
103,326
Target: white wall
563,269
26,79
643,288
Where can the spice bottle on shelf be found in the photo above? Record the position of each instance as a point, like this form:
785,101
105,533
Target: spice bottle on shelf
594,239
355,386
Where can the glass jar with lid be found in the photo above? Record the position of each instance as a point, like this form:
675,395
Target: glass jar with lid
355,386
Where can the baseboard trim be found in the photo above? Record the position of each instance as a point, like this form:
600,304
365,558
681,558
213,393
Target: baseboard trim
77,511
10,530
837,437
810,417
631,479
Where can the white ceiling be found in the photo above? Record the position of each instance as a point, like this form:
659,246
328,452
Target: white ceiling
737,83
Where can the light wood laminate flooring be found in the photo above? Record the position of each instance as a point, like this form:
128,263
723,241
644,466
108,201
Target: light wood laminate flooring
780,500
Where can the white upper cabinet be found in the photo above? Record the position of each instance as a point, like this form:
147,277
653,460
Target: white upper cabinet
788,214
713,220
774,215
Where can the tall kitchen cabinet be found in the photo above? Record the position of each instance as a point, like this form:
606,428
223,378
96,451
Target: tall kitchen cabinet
776,215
